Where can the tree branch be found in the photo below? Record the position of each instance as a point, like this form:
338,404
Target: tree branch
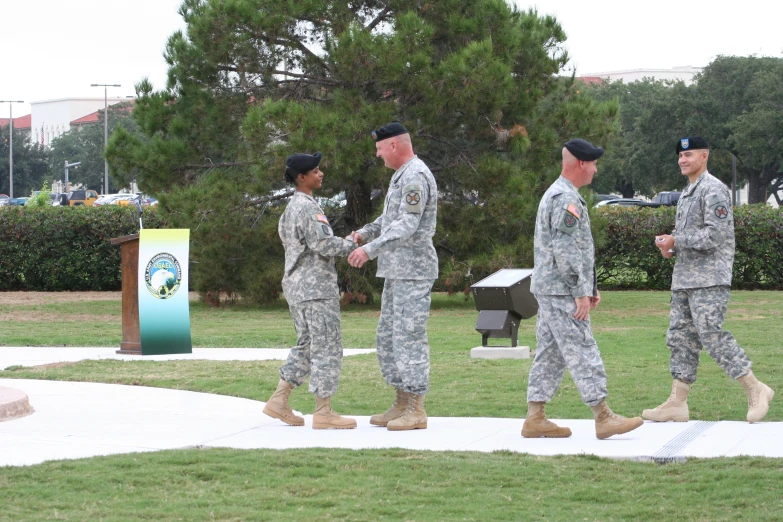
212,165
378,19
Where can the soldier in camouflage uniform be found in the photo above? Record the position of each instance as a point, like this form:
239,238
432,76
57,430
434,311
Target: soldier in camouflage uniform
703,241
310,287
565,286
401,239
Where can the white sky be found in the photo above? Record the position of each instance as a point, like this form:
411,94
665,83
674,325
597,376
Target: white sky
56,48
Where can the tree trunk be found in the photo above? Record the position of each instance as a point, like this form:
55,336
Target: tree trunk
358,206
626,189
757,189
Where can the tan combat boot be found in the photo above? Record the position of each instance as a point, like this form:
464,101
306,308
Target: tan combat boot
277,405
759,397
608,423
396,410
414,417
676,406
325,418
537,425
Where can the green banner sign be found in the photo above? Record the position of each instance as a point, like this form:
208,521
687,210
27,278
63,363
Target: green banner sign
164,312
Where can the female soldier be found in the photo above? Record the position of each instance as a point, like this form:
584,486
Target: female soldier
310,287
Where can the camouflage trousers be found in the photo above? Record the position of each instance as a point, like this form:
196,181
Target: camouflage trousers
403,349
562,342
319,347
696,322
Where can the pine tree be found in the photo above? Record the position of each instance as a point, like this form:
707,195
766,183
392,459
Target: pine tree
475,81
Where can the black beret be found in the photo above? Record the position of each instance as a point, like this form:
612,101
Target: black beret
298,163
692,143
390,130
583,150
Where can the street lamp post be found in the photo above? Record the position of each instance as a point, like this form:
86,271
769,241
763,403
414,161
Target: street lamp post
105,129
11,145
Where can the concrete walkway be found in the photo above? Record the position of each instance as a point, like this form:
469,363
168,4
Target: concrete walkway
77,420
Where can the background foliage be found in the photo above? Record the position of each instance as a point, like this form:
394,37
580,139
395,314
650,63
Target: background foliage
252,81
65,248
629,259
736,103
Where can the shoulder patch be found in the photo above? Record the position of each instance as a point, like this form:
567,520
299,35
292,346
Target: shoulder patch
574,210
322,218
568,222
411,196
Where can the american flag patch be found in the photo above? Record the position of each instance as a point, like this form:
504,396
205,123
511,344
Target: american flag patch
573,210
321,218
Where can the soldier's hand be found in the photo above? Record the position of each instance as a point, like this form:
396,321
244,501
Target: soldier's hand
582,308
665,243
356,237
358,257
595,300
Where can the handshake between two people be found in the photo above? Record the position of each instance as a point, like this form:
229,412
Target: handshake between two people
358,257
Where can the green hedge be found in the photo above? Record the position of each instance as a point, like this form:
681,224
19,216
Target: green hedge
627,257
54,248
65,248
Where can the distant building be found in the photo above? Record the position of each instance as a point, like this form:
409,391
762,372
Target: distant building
52,118
684,73
22,123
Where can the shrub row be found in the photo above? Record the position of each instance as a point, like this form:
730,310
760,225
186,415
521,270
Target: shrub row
628,258
65,248
53,249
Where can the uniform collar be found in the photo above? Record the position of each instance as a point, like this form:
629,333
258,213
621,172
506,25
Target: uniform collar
303,195
570,186
402,168
692,186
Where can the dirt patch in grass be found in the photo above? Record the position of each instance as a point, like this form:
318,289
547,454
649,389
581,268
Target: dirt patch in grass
31,316
39,298
52,366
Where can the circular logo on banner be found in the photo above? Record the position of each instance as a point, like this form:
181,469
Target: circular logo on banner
163,276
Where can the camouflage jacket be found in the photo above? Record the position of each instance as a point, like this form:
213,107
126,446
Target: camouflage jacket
563,249
401,238
704,235
309,245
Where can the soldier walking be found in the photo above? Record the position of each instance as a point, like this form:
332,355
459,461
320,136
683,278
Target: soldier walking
565,286
401,239
703,241
310,287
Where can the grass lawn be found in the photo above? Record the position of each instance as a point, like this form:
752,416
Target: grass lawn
401,485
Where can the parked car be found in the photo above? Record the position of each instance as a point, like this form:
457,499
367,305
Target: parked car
622,202
603,197
18,202
127,199
4,200
60,200
667,198
104,200
81,197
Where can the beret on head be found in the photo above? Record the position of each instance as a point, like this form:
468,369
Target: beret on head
692,143
298,163
583,150
390,130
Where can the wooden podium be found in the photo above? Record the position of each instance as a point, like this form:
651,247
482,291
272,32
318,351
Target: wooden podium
131,336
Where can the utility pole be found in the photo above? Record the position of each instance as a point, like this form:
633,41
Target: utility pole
11,145
733,180
105,128
67,166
